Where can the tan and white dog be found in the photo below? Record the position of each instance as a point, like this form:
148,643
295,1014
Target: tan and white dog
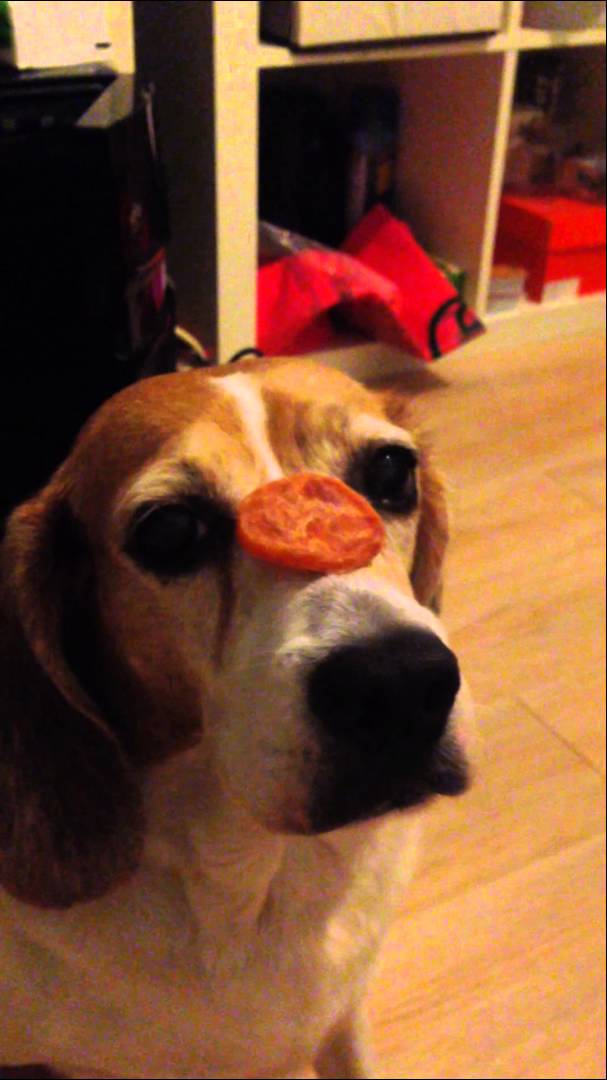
209,764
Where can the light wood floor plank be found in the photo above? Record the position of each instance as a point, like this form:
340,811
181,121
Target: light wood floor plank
495,967
504,980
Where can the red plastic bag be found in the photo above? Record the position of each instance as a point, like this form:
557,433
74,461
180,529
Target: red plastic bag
296,293
391,291
433,318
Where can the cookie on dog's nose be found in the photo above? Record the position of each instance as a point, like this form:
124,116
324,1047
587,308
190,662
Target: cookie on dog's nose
310,522
396,689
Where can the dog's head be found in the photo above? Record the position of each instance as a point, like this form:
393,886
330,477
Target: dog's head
136,625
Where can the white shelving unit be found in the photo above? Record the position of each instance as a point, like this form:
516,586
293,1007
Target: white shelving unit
209,64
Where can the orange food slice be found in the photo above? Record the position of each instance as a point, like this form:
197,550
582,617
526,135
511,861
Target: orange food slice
310,522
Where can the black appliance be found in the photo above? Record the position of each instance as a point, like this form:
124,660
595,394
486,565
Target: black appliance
85,305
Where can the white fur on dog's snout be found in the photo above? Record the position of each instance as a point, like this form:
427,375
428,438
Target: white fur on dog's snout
342,609
270,762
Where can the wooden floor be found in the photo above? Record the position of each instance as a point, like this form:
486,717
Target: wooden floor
495,966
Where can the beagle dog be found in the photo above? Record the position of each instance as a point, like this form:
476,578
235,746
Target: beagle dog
212,762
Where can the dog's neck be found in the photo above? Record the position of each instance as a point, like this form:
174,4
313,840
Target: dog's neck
236,874
219,852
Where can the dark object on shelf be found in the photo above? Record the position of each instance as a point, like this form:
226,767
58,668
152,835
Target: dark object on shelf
45,101
535,146
28,1072
540,81
301,164
373,139
582,15
85,305
6,33
582,176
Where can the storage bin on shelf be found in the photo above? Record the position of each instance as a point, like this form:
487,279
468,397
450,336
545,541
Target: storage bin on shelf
558,240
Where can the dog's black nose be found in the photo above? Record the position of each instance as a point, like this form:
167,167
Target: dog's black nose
399,688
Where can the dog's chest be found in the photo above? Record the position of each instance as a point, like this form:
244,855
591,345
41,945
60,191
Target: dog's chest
146,985
246,1008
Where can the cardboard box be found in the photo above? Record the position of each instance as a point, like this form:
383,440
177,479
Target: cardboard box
559,241
307,24
581,15
48,34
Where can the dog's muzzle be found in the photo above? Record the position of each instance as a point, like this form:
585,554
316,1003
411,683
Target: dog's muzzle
382,707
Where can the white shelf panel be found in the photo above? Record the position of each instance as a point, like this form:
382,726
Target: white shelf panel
517,39
119,14
557,39
580,306
280,56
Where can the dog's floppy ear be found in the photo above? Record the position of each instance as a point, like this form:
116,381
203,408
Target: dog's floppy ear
432,537
433,527
70,816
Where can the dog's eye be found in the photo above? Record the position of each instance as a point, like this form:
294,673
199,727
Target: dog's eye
387,476
177,538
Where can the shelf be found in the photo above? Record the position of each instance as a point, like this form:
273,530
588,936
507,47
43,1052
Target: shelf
574,305
516,40
557,39
280,56
208,64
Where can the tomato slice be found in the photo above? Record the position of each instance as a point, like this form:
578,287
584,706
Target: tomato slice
310,522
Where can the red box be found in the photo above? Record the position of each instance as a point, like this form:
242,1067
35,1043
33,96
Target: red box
559,241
